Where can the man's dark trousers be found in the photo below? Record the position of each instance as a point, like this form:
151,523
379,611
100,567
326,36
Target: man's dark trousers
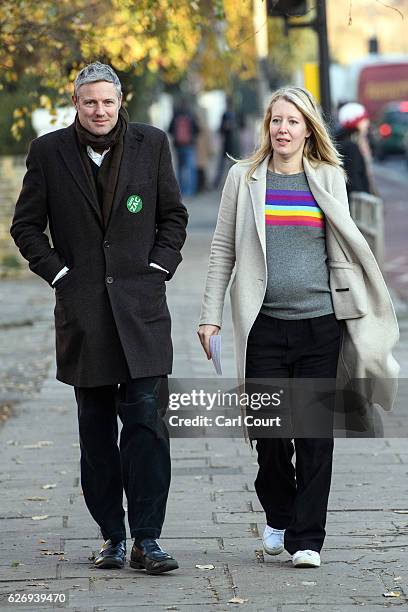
140,465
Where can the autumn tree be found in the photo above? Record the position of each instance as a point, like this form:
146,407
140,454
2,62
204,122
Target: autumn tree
52,40
46,42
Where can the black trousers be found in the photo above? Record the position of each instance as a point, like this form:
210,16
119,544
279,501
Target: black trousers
294,497
140,465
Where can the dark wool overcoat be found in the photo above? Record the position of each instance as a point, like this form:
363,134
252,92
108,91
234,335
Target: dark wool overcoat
111,316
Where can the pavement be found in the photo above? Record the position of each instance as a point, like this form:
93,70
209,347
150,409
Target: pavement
214,521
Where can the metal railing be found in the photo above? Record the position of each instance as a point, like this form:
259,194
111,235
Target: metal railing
368,213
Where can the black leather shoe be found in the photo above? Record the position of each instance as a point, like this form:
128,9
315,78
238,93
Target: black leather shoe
150,556
111,556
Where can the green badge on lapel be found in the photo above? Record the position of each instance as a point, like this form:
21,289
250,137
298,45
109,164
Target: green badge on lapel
134,203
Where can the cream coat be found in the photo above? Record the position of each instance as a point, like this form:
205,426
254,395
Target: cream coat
239,249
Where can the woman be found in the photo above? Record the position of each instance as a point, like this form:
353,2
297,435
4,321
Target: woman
352,143
308,301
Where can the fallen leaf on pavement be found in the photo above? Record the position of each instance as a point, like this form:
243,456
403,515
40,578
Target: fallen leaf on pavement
42,517
237,600
36,498
39,444
209,566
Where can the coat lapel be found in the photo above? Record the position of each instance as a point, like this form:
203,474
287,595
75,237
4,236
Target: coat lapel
340,225
71,155
257,189
336,213
127,172
334,210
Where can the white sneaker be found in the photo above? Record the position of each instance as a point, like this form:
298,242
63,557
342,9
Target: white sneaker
272,540
306,558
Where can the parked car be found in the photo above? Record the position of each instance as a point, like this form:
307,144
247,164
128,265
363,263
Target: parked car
389,132
406,147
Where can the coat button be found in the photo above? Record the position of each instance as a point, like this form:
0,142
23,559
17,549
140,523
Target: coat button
109,280
106,244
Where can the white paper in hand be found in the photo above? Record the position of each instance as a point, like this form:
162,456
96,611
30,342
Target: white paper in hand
215,352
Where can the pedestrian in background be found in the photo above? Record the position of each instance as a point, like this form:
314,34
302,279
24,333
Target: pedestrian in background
353,145
107,190
246,136
184,131
229,137
306,290
205,150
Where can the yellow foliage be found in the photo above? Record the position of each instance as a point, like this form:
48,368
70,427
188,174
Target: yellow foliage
165,35
53,40
45,101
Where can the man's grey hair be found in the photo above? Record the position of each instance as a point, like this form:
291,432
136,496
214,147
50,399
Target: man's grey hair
97,72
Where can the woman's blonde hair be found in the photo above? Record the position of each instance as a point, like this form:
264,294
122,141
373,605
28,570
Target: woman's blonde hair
318,146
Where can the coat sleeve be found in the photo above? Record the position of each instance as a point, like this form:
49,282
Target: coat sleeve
222,256
171,216
31,218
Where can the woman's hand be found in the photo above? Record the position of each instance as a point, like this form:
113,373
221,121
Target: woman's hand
204,332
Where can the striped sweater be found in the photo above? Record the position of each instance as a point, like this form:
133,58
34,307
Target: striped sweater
298,278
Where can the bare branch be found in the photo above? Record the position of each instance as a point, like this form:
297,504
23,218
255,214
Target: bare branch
394,8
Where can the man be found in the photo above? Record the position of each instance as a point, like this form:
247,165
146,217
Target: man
107,189
184,130
229,141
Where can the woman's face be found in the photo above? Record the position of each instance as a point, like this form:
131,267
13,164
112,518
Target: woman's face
287,129
363,126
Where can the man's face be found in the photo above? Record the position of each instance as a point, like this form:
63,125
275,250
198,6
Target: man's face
98,107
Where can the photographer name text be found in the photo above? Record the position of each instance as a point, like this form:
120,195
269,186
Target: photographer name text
248,420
